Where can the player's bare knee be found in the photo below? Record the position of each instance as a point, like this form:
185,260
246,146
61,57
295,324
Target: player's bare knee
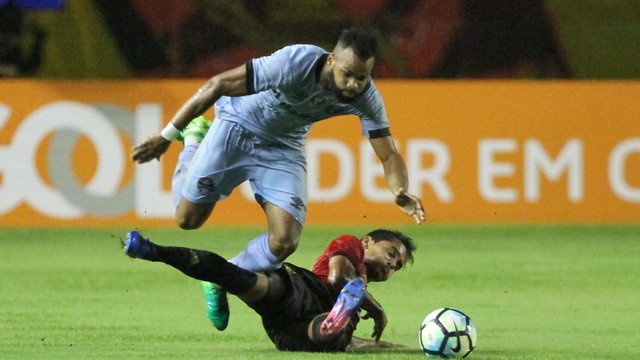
187,222
283,246
190,215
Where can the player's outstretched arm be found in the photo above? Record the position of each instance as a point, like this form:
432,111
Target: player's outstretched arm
376,312
228,83
151,149
395,172
341,270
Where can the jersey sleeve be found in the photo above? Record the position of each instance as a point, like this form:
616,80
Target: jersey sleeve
373,114
284,69
349,247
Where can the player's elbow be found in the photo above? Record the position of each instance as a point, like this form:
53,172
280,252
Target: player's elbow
341,270
338,281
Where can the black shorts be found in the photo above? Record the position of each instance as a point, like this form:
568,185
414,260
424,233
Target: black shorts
286,320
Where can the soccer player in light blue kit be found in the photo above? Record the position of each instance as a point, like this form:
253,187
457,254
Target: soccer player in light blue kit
264,110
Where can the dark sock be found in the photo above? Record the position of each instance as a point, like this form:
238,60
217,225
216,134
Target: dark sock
277,289
208,266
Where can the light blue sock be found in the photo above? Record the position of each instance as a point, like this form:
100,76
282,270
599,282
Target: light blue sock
181,168
257,256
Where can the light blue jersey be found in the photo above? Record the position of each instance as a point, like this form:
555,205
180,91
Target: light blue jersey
288,98
260,137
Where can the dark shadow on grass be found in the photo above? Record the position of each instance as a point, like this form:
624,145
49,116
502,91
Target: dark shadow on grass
379,350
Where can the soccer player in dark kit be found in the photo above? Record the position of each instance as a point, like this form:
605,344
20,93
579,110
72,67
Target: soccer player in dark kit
301,310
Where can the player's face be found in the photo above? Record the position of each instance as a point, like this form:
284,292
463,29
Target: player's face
384,258
349,74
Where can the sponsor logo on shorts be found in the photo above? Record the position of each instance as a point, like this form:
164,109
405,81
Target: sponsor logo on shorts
297,203
205,185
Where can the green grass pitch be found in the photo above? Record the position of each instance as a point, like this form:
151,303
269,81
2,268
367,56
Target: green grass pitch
534,292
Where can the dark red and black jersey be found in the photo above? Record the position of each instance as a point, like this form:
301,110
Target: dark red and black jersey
346,245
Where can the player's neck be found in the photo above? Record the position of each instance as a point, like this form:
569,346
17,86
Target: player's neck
324,76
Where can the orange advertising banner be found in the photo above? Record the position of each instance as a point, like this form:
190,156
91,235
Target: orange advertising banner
486,151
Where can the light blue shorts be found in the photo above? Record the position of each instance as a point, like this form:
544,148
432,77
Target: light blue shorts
230,155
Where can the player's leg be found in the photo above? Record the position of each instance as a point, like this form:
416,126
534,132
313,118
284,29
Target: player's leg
216,169
294,309
284,231
268,250
279,182
187,184
190,215
276,179
347,304
191,136
200,264
332,331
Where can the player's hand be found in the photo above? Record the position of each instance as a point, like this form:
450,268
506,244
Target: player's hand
380,322
410,205
151,149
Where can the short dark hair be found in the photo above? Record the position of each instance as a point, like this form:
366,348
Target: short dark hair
363,43
385,234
